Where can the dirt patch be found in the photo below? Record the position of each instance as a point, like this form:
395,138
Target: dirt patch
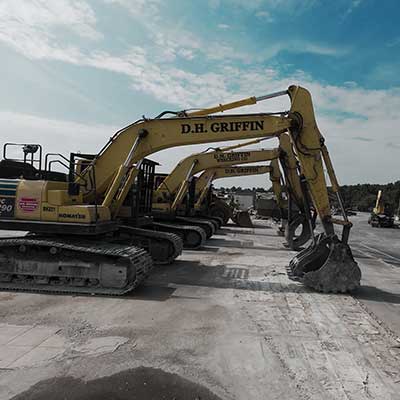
7,296
135,384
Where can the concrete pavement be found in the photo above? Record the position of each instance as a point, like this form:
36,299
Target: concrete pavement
223,322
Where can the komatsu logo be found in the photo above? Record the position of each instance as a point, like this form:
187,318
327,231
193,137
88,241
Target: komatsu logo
229,157
215,127
74,216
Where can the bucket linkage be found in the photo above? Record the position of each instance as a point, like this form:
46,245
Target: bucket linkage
327,264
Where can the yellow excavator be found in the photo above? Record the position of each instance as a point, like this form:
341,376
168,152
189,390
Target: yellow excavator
203,186
175,191
174,188
77,243
382,215
169,196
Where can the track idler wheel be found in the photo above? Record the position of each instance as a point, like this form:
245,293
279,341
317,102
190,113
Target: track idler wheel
242,218
327,266
218,220
296,242
193,240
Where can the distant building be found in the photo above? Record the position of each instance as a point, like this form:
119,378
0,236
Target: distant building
244,200
266,205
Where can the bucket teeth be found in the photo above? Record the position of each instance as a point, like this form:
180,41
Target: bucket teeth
327,266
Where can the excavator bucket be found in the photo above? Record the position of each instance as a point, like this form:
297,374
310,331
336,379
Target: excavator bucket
242,218
294,239
327,265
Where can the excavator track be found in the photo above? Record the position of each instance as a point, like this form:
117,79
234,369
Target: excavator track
218,220
164,247
207,226
71,266
215,221
193,237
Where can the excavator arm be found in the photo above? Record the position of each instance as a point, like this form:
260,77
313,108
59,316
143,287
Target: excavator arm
174,187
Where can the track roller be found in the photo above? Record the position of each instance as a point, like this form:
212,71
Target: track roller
163,247
71,266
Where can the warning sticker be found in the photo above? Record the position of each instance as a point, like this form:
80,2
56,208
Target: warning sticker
28,204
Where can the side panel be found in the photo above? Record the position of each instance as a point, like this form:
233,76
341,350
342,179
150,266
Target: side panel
28,201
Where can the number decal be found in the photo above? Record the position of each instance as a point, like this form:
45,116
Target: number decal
7,207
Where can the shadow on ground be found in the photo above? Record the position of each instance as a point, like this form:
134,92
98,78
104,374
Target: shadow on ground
193,273
225,231
373,293
241,244
135,384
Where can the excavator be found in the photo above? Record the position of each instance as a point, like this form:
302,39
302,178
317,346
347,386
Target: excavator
382,215
174,188
203,185
77,243
169,195
179,185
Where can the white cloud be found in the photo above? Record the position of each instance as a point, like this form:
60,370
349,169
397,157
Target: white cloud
265,15
354,4
140,8
37,17
223,26
253,5
54,135
314,48
168,45
29,27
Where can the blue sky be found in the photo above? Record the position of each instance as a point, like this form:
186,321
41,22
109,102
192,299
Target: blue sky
76,70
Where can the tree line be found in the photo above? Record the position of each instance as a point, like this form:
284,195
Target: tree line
361,197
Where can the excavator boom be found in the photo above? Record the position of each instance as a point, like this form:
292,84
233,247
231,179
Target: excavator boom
174,187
